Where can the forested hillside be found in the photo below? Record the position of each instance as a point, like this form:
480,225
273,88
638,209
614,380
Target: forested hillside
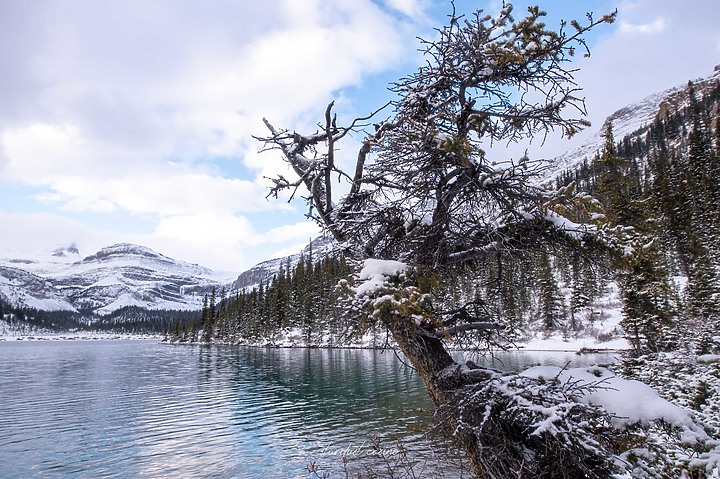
25,321
300,301
659,190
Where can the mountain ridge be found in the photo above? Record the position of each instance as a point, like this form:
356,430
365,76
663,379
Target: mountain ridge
634,118
115,276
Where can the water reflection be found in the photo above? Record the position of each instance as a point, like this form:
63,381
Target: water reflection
143,409
131,409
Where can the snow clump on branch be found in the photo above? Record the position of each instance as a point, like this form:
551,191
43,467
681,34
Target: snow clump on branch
375,273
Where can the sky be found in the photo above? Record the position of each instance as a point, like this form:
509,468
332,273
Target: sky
132,121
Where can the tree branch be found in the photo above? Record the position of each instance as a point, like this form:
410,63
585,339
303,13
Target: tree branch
478,326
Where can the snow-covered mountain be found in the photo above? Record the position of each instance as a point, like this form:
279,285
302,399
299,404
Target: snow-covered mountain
633,119
263,272
21,287
114,277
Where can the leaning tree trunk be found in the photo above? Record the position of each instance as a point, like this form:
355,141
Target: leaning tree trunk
428,356
499,436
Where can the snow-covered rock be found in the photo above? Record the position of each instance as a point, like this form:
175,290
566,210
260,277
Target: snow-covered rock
27,289
264,271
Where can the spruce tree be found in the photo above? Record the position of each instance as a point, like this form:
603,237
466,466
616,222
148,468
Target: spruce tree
551,307
209,324
613,186
204,314
583,292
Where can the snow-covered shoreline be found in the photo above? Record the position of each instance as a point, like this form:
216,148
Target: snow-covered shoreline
85,336
293,339
368,341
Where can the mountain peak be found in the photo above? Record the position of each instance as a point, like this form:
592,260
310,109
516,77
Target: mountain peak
124,250
116,276
64,251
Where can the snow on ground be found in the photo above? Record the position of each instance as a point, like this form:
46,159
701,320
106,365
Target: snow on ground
602,329
708,358
672,430
629,401
558,343
18,296
80,336
296,338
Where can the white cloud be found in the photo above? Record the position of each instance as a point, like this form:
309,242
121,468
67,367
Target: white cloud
30,151
165,195
224,243
656,26
43,232
622,70
412,8
176,79
304,230
133,108
207,228
61,158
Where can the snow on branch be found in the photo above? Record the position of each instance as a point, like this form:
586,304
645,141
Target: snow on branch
375,273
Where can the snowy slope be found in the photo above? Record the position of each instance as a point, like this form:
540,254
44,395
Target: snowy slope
130,275
21,287
263,272
631,119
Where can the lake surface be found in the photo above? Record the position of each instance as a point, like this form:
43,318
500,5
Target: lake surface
93,409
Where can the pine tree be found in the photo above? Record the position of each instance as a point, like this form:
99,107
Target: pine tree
584,290
205,314
210,315
178,331
703,291
551,305
647,308
614,187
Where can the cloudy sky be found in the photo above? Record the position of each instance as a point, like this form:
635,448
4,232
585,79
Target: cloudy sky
131,121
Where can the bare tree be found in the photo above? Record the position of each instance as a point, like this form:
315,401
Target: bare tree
424,192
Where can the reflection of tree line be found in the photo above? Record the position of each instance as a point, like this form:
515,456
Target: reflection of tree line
314,381
23,320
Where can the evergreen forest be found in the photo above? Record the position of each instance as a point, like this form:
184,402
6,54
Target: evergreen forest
658,190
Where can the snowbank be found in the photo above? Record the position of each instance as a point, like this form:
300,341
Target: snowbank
709,358
628,401
558,343
82,336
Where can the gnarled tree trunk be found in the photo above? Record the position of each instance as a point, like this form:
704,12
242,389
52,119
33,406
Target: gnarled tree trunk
477,408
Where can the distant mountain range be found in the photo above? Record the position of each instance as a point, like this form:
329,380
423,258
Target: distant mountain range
131,275
114,277
125,275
